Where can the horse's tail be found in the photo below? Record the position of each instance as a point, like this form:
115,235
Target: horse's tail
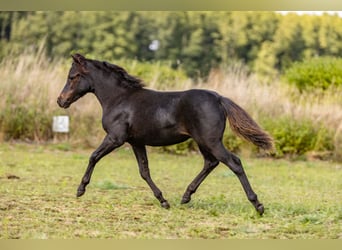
242,124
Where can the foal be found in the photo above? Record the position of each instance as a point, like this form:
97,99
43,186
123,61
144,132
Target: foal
140,116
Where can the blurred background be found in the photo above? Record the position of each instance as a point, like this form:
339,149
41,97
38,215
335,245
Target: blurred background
284,68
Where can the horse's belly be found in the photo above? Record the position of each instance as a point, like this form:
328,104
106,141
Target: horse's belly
165,141
158,137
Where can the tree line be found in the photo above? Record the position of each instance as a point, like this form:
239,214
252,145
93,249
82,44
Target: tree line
267,42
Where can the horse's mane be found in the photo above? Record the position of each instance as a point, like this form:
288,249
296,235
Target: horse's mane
126,80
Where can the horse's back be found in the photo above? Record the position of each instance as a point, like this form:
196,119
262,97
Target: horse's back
165,118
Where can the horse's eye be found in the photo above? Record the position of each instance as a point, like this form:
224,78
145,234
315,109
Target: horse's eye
73,77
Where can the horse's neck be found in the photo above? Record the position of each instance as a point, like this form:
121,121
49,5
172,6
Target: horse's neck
109,93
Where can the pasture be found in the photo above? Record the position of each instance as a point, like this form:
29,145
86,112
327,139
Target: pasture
38,185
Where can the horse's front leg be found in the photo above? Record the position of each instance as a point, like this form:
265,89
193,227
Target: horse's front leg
140,154
107,146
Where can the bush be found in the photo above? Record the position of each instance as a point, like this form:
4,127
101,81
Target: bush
294,137
317,73
338,144
231,141
31,84
181,148
25,123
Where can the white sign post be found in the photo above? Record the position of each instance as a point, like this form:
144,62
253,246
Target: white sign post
60,124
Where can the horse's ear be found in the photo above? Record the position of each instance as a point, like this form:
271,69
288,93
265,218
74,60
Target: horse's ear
81,62
79,59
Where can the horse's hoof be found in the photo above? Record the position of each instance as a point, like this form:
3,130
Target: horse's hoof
80,192
185,200
165,204
260,209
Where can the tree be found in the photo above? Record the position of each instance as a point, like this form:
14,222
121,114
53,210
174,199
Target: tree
202,51
289,43
330,35
194,41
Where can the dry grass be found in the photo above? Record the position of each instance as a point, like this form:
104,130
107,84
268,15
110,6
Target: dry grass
35,81
276,99
31,78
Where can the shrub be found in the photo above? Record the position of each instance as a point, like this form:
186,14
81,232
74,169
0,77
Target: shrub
293,137
338,144
318,73
31,84
25,123
231,141
181,148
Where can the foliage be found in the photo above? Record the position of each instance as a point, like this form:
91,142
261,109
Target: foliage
232,141
295,138
316,73
25,123
31,84
292,138
195,41
183,148
25,111
338,145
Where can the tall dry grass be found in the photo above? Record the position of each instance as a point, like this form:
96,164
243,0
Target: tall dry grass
31,79
31,83
278,99
28,92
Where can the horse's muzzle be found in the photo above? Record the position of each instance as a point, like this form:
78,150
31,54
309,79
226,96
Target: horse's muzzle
63,103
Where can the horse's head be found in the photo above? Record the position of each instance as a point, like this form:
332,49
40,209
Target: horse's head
78,82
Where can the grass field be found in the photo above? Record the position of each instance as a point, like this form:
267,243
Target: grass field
38,186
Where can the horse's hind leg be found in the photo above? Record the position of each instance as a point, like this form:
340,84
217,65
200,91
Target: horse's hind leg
209,164
234,163
140,154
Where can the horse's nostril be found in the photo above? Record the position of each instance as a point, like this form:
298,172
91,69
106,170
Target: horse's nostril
63,102
59,100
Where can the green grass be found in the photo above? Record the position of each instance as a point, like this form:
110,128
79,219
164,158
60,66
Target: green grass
302,199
